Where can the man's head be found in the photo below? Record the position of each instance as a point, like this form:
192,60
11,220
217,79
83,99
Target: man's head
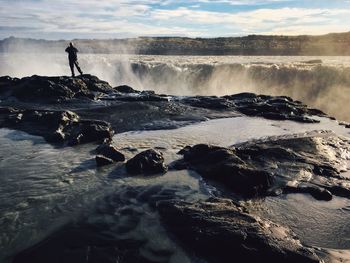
71,44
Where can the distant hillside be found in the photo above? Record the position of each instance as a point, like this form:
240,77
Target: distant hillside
330,44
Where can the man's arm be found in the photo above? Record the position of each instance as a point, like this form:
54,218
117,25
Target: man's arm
67,49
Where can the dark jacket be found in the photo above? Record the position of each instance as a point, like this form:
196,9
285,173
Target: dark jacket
72,53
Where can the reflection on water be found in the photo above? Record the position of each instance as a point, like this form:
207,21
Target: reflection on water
324,224
38,188
42,187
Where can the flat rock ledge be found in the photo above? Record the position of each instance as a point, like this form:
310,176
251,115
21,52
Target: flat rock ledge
250,104
220,231
54,90
313,163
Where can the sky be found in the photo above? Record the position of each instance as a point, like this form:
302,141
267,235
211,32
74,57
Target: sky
70,19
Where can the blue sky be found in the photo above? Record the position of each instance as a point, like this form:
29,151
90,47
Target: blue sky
68,19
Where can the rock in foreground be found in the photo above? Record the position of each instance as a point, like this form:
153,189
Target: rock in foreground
56,126
291,164
109,151
147,162
222,232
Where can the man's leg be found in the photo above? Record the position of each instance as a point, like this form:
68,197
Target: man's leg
79,69
71,64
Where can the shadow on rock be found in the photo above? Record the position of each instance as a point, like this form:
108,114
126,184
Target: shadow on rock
311,163
221,231
147,162
58,127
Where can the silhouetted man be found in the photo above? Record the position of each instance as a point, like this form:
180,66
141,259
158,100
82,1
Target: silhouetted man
73,58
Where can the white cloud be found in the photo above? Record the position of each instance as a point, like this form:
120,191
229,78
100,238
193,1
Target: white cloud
140,17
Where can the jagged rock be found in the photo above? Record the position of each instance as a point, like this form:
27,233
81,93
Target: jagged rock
57,126
275,108
57,137
93,83
125,89
87,131
224,165
269,107
221,231
143,96
317,192
82,243
6,82
147,162
110,152
54,89
102,160
310,163
212,102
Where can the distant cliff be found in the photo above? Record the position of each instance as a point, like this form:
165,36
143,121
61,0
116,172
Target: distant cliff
330,44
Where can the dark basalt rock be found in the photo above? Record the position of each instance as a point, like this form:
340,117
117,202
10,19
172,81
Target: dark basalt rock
147,162
143,96
54,89
6,82
125,89
275,108
225,166
87,131
56,126
269,107
317,192
109,151
102,160
74,244
221,231
310,163
213,102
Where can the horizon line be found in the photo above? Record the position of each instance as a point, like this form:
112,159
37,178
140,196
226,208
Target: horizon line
177,36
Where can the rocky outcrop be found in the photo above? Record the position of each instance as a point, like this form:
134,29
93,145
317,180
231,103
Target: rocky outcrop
64,127
108,154
146,95
74,244
125,89
102,160
311,163
220,231
51,90
147,162
269,107
108,150
54,89
275,108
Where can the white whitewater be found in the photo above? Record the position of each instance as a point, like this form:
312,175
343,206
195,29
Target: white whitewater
321,82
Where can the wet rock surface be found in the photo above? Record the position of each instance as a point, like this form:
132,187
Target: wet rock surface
82,244
54,89
109,233
311,163
269,107
221,231
147,162
58,127
108,150
72,111
129,109
102,160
